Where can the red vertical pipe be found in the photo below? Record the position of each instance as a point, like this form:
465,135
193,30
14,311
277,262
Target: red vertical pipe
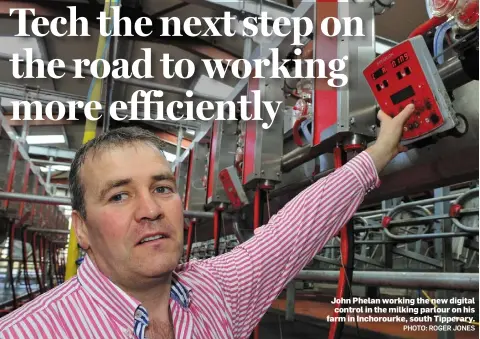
25,187
256,209
325,96
42,261
257,222
11,241
216,231
336,327
35,191
11,173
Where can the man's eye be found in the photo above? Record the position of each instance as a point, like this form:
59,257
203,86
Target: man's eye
163,189
119,197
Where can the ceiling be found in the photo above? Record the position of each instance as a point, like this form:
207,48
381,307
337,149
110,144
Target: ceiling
395,24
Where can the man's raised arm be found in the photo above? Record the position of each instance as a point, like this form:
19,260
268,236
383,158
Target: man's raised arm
253,274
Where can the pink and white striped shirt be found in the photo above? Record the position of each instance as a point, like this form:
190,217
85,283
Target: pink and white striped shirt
222,297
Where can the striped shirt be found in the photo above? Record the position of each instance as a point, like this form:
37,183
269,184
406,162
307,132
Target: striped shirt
221,297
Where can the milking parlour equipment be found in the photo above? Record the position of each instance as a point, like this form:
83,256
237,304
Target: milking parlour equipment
423,217
33,228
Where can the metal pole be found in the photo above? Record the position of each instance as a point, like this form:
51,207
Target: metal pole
290,308
132,82
48,162
65,201
411,280
34,198
47,230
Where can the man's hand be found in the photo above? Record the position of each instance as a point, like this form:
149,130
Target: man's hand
388,145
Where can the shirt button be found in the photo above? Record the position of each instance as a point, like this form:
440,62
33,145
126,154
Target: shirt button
138,314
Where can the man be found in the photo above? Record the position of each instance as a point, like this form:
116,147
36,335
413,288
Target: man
129,219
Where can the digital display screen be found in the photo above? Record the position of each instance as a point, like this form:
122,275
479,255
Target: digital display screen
400,60
378,73
402,95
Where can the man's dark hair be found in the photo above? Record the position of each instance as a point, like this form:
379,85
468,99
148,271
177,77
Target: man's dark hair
114,138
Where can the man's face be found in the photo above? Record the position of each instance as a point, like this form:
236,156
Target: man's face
130,195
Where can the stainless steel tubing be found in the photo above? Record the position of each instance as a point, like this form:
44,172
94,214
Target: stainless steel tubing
452,74
413,280
65,201
460,201
47,230
198,214
429,218
413,203
34,198
296,158
300,185
413,237
133,82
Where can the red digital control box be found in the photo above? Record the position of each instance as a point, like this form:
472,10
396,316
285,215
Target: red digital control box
407,74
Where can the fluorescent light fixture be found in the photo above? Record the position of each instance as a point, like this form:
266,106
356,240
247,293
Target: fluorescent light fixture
213,87
190,131
170,157
45,139
56,168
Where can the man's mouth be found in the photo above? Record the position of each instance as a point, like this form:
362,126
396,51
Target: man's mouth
152,238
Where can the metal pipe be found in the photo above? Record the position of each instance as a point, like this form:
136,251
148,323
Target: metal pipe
131,82
47,230
453,74
458,203
198,214
413,203
413,237
65,201
300,185
296,158
413,280
34,198
48,162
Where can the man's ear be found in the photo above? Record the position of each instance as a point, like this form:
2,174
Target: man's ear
81,231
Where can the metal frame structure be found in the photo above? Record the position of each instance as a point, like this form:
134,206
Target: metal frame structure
437,237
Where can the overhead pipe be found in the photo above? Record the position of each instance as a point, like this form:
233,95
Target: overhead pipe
66,201
47,230
409,280
131,82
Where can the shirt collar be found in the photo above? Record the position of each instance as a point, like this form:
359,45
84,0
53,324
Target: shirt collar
115,300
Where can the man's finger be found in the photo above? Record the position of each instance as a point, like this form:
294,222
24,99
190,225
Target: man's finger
382,116
406,113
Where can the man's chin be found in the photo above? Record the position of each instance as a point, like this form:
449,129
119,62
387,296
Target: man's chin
159,265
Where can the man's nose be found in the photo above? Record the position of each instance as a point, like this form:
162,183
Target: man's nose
148,208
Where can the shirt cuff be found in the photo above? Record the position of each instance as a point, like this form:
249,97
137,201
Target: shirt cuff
363,168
